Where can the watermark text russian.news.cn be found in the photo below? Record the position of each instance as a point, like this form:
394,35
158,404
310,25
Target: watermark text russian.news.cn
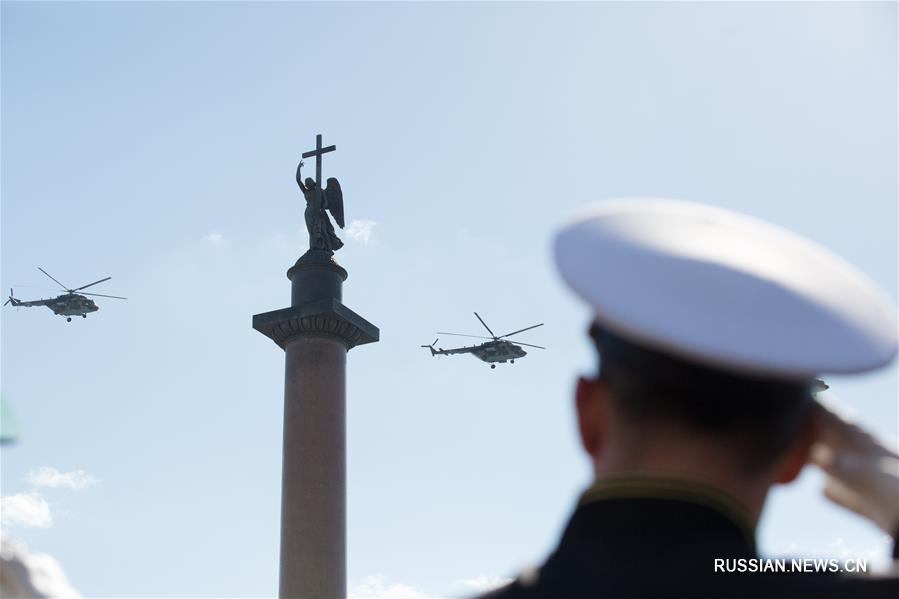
790,565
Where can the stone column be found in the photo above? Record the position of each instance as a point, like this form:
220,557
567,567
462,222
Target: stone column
316,332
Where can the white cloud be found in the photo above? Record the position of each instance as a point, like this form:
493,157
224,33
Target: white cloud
26,509
46,476
484,583
360,230
31,574
375,587
216,240
877,557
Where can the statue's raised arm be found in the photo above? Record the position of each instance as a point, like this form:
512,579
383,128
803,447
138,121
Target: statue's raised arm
300,176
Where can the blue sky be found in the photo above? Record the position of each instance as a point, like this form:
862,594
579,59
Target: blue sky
157,143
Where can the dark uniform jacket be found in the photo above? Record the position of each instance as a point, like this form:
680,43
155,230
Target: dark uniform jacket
649,538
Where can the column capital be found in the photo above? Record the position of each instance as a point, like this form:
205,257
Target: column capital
320,318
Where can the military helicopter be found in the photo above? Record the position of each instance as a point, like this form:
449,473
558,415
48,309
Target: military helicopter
498,349
69,304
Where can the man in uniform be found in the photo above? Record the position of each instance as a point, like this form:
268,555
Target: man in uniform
711,328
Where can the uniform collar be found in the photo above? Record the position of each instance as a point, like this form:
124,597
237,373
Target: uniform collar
676,489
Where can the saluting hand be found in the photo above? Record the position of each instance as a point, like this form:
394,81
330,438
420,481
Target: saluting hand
863,473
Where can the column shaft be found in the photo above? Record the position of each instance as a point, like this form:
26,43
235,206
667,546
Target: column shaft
313,483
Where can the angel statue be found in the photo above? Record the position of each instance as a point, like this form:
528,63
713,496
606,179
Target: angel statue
318,203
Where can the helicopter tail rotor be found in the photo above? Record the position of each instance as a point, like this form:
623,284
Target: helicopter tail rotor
12,300
431,346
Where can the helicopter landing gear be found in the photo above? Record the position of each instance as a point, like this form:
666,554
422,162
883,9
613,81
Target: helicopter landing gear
68,319
493,366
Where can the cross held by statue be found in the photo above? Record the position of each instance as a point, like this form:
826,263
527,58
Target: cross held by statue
317,152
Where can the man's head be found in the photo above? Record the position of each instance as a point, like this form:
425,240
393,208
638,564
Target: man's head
714,314
650,410
310,182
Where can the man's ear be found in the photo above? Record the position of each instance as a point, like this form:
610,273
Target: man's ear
591,397
798,454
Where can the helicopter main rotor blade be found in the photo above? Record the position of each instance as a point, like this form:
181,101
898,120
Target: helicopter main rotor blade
36,287
463,335
485,325
92,284
101,295
527,344
54,280
521,330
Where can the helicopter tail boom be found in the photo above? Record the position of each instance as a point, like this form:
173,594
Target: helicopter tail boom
28,304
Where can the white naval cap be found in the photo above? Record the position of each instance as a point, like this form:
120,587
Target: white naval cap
724,289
